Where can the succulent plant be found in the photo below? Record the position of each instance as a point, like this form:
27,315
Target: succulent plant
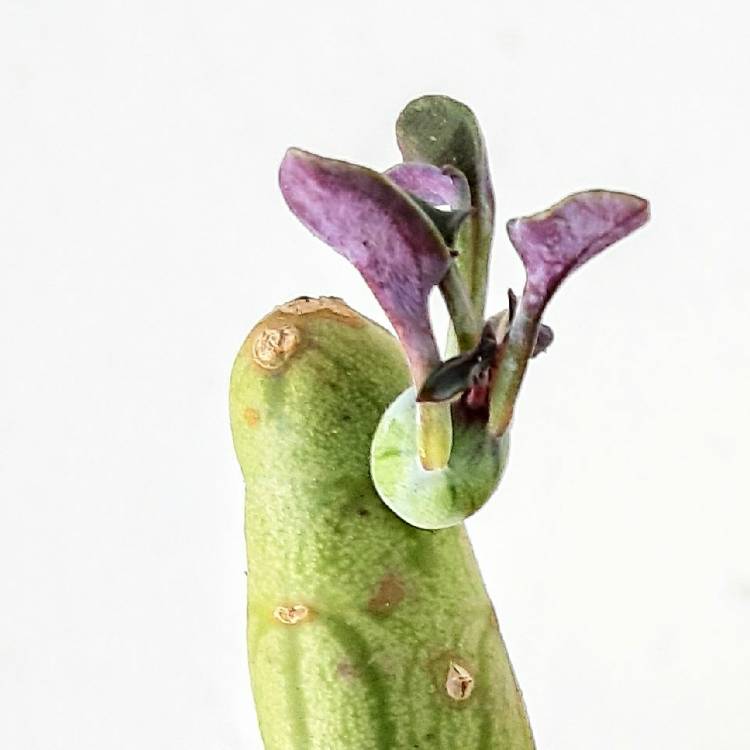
368,623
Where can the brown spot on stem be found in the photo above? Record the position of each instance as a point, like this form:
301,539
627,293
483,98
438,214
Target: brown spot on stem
389,594
346,671
291,615
252,416
327,306
273,346
459,682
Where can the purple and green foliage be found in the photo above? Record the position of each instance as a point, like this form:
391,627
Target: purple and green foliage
442,132
368,624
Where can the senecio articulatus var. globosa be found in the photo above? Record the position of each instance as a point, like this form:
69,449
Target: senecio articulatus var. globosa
369,627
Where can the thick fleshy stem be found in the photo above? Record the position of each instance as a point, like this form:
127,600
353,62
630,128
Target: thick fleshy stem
552,244
357,619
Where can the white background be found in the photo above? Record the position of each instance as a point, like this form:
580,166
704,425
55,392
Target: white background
142,234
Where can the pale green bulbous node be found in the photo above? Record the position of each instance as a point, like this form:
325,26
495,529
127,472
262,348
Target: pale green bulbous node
444,497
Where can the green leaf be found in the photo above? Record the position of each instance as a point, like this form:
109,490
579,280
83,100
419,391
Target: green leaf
439,130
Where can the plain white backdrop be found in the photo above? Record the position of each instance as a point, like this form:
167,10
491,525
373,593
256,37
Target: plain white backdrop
141,236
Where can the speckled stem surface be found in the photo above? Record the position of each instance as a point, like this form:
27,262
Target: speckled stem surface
364,633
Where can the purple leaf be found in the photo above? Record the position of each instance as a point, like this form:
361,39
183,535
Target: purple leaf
437,186
555,242
382,232
552,244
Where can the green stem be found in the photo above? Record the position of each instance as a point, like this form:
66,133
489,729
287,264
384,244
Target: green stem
434,425
434,435
514,359
466,325
473,246
474,259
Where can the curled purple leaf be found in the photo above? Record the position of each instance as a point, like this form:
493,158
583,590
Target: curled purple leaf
437,186
442,193
555,242
439,130
366,218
